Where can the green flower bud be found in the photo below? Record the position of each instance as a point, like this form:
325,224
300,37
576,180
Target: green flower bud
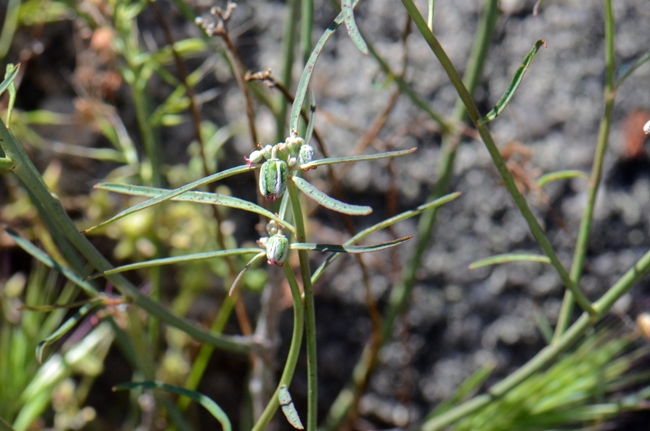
277,249
255,157
273,179
306,154
268,152
294,143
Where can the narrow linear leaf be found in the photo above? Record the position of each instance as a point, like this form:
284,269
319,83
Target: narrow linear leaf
329,202
48,261
9,78
510,257
351,25
355,249
244,269
197,197
514,84
332,160
4,425
173,193
176,259
205,401
469,386
289,410
312,117
301,92
538,4
629,69
63,329
560,175
383,225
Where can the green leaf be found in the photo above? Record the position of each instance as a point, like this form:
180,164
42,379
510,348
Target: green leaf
301,92
289,410
244,269
351,25
173,193
4,425
629,69
9,78
514,84
354,249
560,175
509,257
63,329
197,197
48,261
333,160
176,259
383,225
329,202
205,401
469,386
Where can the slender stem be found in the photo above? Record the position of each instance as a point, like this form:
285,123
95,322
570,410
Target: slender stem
485,134
294,349
582,242
287,66
310,315
550,352
307,24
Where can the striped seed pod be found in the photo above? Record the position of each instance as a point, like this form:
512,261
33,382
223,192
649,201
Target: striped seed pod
277,249
306,154
273,179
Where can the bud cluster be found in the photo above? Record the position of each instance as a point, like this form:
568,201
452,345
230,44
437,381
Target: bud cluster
276,244
281,158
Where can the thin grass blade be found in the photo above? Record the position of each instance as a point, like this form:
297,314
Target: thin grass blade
629,69
383,225
176,259
329,202
560,175
63,329
354,249
48,261
351,25
197,197
9,78
510,257
173,193
301,92
514,84
205,401
333,160
244,269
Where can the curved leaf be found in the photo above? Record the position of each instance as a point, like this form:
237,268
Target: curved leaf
354,249
329,202
205,401
560,175
383,225
351,25
332,160
289,410
510,257
176,259
63,329
514,84
197,197
244,269
10,76
301,92
173,193
628,69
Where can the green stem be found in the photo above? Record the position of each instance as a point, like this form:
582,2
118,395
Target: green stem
27,173
582,242
402,291
546,355
307,24
486,136
287,66
310,315
294,349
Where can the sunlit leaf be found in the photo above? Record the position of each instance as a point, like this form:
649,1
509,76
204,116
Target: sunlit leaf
176,259
351,25
514,84
510,257
205,401
173,193
197,197
355,249
244,269
560,175
329,202
9,79
333,160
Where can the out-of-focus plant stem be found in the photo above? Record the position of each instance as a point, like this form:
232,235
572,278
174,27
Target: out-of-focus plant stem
402,291
288,42
582,242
